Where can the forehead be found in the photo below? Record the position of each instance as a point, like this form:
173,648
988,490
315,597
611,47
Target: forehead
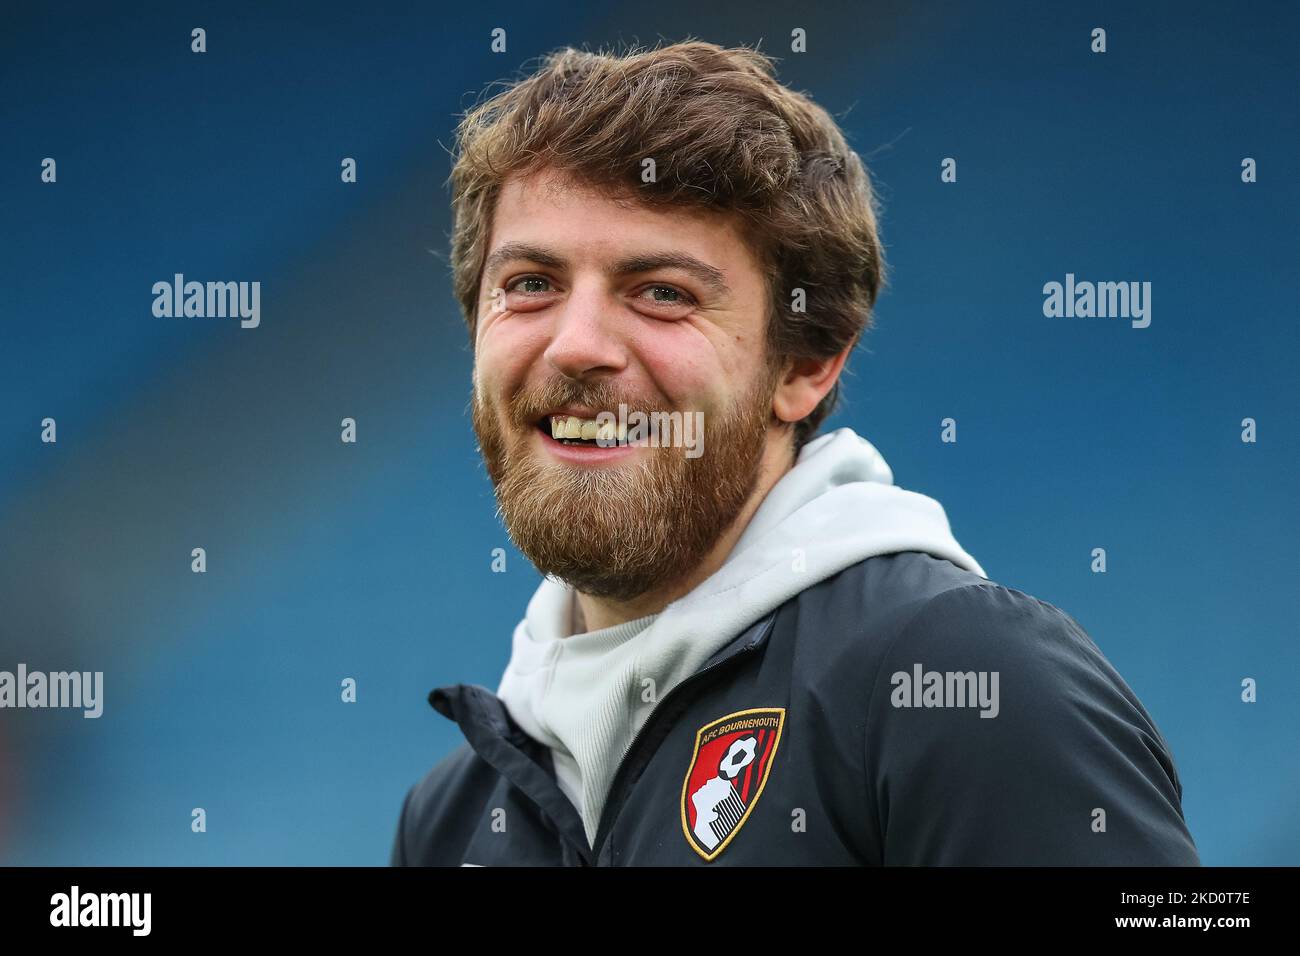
578,220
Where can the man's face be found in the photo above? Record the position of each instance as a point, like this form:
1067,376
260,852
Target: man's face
587,302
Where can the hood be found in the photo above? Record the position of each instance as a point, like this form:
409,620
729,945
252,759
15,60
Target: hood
586,695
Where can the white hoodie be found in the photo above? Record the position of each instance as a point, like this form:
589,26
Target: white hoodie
586,695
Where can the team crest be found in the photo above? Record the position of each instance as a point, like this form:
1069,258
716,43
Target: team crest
733,756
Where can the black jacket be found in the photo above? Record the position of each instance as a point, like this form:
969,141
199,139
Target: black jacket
792,746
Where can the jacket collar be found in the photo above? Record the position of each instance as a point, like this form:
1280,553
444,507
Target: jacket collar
526,763
499,741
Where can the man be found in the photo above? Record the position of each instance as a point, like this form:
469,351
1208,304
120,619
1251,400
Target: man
749,646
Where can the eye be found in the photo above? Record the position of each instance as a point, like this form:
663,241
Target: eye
529,285
665,296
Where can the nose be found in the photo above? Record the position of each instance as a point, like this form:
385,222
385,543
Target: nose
585,338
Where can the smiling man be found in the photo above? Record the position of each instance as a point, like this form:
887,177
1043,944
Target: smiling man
762,652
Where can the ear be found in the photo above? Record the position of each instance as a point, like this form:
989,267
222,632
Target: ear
804,383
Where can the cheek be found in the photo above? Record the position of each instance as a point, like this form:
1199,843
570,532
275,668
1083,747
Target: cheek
684,366
504,352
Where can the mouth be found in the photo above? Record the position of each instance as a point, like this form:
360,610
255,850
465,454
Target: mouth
580,441
580,431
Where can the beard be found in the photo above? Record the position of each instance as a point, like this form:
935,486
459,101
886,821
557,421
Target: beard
620,530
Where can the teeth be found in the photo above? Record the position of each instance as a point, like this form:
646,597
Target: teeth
570,427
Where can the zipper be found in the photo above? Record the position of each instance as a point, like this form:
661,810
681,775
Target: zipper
607,814
470,707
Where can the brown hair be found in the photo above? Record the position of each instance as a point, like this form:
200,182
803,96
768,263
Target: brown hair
725,135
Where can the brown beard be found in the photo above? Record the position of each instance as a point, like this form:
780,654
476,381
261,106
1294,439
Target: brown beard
619,531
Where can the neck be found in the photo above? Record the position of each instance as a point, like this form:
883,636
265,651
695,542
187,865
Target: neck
595,613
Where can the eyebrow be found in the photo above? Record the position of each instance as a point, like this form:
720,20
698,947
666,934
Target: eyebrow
631,265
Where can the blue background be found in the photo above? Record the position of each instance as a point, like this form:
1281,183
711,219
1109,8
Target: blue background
372,560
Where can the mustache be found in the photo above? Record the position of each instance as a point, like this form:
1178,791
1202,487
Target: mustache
526,408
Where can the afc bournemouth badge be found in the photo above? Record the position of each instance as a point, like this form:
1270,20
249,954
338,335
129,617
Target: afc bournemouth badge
733,756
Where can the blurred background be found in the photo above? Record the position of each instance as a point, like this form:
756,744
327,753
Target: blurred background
373,561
